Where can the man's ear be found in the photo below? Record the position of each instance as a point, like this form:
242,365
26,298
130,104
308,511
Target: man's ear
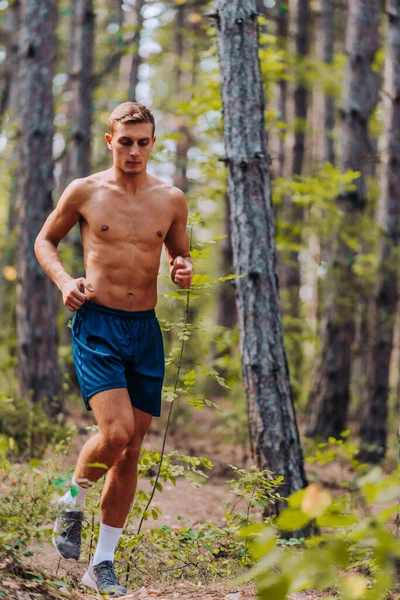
108,140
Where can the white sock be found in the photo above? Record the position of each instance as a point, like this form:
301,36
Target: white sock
75,500
108,540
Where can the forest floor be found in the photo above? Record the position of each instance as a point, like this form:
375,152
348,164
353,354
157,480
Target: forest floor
38,575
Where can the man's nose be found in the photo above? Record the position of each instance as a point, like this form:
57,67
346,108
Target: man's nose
134,149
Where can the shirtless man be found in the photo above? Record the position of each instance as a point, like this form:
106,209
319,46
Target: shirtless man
125,216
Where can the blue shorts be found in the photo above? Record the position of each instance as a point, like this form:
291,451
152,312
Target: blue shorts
119,349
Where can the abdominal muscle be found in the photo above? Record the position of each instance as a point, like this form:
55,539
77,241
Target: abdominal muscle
124,277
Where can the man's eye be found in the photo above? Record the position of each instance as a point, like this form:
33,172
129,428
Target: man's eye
125,143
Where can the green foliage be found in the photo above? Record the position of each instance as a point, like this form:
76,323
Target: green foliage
355,553
257,487
25,429
202,550
25,517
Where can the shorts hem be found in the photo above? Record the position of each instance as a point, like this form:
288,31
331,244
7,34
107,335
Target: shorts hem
153,414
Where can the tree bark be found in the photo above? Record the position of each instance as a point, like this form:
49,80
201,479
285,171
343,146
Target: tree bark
330,395
38,371
273,430
373,427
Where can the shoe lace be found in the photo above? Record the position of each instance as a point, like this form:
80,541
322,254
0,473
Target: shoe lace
106,574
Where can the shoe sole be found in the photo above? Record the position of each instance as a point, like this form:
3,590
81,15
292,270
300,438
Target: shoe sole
89,582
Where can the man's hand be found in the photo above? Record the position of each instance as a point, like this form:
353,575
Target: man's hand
73,293
182,272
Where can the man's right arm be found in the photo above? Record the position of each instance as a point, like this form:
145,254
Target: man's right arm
57,225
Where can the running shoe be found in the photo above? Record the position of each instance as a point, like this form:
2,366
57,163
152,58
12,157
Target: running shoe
103,579
67,533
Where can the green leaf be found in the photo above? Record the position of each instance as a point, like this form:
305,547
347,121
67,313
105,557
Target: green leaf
97,465
292,519
278,590
336,520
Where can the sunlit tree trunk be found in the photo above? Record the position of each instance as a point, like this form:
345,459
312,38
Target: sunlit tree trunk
373,427
273,429
330,395
38,371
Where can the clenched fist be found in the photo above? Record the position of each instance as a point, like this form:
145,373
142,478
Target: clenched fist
182,272
73,293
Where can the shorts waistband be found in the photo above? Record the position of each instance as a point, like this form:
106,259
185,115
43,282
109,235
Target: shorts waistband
116,312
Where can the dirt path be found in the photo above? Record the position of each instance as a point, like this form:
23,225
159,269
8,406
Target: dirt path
181,505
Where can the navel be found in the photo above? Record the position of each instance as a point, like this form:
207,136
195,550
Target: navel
159,233
105,228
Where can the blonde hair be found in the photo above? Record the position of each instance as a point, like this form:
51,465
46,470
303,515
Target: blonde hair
130,112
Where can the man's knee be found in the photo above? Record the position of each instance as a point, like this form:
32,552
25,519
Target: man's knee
118,435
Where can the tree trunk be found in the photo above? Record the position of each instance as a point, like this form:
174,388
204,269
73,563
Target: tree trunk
282,31
8,101
226,304
38,371
82,88
273,430
330,395
324,105
289,268
185,139
135,47
373,428
7,82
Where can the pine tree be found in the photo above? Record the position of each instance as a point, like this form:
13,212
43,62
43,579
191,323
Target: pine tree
38,371
330,395
373,427
272,422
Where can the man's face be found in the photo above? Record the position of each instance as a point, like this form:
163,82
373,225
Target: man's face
131,145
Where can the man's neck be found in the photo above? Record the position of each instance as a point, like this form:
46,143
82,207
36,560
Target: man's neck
132,183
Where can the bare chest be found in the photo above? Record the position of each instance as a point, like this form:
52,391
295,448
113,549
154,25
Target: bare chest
118,221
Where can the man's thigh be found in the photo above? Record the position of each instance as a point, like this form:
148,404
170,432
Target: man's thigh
113,408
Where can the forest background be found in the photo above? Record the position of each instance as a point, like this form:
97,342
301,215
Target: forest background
332,95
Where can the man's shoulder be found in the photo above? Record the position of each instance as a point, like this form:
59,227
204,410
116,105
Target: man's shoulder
167,188
83,187
91,181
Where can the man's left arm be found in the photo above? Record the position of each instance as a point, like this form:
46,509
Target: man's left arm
177,244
